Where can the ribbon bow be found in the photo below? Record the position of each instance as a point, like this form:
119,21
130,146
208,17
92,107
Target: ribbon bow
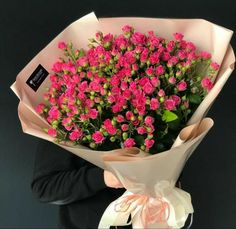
161,212
151,210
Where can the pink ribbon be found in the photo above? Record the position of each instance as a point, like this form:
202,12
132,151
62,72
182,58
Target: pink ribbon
153,210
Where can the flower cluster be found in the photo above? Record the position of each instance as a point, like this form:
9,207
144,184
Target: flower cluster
132,89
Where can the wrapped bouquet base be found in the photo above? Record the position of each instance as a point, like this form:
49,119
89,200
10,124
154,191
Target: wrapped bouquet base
151,198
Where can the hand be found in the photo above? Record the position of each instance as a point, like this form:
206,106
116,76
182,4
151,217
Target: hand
111,180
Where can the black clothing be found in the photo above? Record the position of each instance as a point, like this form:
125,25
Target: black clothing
76,185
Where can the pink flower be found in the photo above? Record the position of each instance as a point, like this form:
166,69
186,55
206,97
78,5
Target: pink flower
150,71
62,45
155,81
129,142
111,130
182,85
57,66
123,85
148,120
172,80
66,121
160,70
178,36
93,113
99,35
149,143
166,56
82,61
161,93
116,108
98,137
138,38
154,58
125,127
127,29
169,104
205,55
120,118
52,132
76,134
129,115
141,130
136,122
94,86
154,104
207,83
39,108
176,99
190,46
215,66
84,117
148,88
54,113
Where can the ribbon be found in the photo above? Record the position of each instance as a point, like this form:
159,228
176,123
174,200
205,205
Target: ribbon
170,211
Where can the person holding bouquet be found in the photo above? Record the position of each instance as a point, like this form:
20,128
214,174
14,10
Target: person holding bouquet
81,189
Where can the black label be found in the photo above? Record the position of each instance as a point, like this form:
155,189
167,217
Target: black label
37,77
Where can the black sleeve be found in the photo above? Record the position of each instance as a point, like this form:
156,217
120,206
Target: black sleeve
57,180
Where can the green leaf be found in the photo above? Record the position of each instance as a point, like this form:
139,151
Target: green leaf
81,52
194,98
169,116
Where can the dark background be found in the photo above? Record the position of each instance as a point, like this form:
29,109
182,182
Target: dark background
26,27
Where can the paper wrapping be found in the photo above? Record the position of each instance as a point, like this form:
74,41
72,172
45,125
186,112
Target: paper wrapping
146,175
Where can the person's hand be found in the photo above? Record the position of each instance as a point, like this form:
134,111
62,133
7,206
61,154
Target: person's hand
111,181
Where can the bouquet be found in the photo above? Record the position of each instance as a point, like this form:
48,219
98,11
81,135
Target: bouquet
129,102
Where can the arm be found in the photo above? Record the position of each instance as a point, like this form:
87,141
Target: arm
56,179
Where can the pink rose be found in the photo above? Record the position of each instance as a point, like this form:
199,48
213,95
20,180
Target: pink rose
120,118
129,115
154,104
141,130
98,137
169,104
94,86
93,113
205,55
155,81
150,71
176,99
52,132
172,80
62,45
138,38
136,122
125,127
207,83
129,142
161,93
127,29
148,88
149,143
182,85
160,70
149,120
215,66
178,36
116,108
39,108
57,67
75,135
166,56
54,113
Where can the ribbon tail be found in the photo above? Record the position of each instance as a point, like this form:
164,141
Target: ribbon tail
111,217
180,207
